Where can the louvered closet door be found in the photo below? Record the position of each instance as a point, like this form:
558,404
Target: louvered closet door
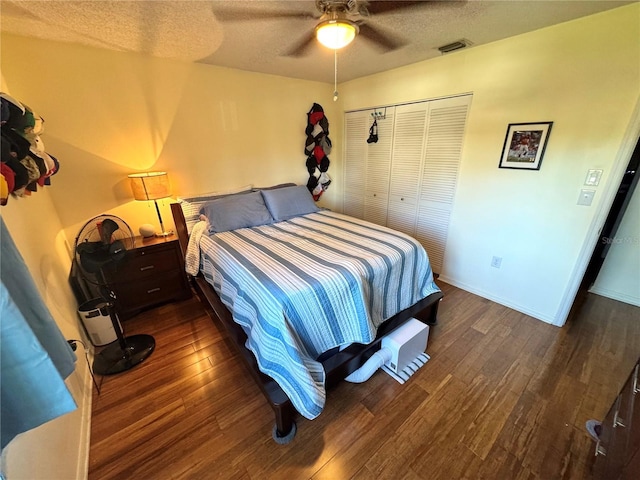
445,135
378,168
355,158
406,166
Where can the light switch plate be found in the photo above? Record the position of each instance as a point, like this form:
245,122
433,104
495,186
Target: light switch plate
586,197
593,177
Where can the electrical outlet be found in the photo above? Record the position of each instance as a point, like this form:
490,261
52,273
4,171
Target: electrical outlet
496,262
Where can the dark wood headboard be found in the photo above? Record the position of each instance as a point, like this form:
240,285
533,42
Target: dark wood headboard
181,227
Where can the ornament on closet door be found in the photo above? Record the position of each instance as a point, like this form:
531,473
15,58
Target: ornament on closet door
373,132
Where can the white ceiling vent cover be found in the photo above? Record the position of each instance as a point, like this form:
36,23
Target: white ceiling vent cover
457,45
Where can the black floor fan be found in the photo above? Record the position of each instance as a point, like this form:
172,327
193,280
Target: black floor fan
102,244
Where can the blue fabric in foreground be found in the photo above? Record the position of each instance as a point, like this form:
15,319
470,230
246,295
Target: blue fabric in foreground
34,355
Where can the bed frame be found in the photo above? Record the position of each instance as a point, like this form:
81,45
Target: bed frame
337,364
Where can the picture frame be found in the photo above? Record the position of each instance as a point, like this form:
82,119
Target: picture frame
524,145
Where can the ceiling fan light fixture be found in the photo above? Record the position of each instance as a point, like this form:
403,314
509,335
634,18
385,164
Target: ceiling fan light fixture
336,33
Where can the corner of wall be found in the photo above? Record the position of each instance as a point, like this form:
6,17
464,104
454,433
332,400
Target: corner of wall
622,159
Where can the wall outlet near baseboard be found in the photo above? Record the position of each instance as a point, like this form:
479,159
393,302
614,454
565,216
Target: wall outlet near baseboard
496,262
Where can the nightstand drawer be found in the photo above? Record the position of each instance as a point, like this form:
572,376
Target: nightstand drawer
148,262
150,291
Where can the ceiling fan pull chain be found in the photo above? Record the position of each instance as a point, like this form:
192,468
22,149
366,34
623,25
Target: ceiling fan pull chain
335,75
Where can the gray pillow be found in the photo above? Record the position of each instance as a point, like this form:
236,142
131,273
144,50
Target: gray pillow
236,211
288,202
192,206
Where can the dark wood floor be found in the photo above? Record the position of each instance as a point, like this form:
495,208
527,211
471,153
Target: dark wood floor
504,396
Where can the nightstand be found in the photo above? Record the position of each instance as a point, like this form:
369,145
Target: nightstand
151,274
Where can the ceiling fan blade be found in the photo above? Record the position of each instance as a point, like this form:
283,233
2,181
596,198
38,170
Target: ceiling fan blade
376,7
384,41
303,46
241,15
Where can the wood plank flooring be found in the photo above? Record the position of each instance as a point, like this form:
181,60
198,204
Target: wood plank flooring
504,396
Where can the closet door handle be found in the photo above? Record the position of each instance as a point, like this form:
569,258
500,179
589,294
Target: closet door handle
153,290
148,267
635,380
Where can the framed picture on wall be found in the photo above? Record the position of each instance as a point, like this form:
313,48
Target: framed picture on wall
524,145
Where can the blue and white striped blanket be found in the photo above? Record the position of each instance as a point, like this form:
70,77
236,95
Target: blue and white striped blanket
309,284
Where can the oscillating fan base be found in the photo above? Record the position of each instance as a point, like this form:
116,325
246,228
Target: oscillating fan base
113,359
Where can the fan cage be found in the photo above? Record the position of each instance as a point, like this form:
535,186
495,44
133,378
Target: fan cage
91,232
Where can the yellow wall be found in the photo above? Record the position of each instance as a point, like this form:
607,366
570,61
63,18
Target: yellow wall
108,114
584,76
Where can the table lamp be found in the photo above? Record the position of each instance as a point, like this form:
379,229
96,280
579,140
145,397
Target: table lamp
151,186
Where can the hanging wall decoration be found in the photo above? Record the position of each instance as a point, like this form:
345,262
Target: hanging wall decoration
524,145
25,164
373,132
317,147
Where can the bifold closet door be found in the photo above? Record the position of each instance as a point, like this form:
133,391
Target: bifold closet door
407,180
367,165
443,151
378,169
355,159
406,166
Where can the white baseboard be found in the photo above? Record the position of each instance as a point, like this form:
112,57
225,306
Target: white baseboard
85,432
620,297
502,301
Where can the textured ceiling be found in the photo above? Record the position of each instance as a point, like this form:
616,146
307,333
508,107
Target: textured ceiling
198,30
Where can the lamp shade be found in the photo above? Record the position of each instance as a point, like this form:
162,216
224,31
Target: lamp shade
150,185
336,33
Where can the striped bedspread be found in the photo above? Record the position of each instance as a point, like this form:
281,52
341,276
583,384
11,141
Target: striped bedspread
309,284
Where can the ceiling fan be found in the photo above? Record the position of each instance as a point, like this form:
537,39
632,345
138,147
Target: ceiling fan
338,22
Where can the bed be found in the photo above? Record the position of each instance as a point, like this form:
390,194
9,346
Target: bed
305,294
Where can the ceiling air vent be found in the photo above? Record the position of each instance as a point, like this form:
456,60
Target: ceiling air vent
457,45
